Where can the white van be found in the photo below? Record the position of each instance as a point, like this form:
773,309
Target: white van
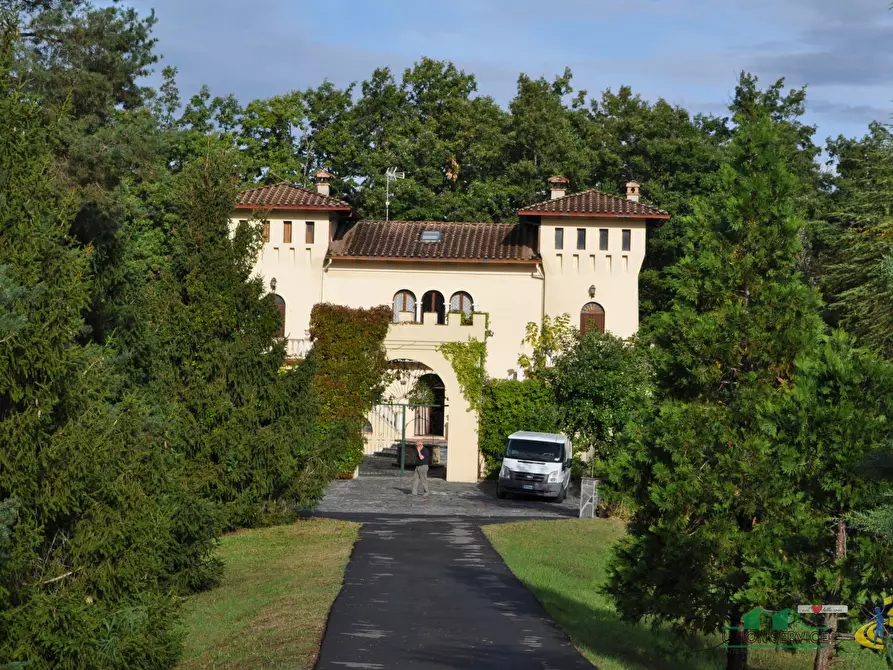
536,464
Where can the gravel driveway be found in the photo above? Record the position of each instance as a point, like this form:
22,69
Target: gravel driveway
391,496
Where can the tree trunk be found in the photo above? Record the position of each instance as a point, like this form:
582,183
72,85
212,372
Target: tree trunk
824,656
736,659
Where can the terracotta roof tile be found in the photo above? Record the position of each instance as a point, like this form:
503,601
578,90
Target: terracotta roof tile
286,196
594,203
401,240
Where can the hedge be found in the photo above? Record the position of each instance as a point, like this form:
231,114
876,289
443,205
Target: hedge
510,406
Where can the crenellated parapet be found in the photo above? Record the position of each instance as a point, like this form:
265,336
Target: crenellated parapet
430,332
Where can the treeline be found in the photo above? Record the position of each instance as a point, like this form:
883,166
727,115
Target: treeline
465,157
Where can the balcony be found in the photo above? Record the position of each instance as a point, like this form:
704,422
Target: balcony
409,333
297,350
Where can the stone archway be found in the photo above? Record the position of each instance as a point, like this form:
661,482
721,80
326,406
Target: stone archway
419,342
413,407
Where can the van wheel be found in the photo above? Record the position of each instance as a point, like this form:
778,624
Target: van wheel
560,497
500,493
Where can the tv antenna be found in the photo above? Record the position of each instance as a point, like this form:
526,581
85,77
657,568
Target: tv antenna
390,175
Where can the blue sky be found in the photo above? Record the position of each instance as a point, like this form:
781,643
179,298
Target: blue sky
686,51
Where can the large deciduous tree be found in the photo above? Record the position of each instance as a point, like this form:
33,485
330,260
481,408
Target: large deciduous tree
429,125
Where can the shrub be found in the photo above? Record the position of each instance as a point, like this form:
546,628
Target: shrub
547,340
599,385
510,406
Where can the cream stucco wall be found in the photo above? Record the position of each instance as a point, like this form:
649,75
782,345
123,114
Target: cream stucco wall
510,294
513,295
614,273
297,266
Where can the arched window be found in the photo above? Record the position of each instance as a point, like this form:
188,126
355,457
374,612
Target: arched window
280,305
432,301
461,302
404,301
367,428
592,318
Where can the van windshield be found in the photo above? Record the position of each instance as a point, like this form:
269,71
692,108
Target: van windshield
533,450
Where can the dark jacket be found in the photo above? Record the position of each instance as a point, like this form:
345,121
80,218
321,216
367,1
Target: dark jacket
423,458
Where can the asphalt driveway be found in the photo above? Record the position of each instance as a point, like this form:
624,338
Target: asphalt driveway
431,593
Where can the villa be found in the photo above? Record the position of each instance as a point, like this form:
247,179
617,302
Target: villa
577,254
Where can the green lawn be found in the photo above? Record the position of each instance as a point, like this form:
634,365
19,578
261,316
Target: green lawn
271,607
563,564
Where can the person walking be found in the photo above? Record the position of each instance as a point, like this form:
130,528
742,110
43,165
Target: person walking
421,469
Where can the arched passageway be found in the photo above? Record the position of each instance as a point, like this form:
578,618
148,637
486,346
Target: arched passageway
413,407
414,350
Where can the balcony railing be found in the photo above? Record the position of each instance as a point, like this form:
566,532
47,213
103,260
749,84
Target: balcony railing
297,349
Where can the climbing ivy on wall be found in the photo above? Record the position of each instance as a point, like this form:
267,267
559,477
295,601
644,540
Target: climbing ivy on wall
350,376
468,360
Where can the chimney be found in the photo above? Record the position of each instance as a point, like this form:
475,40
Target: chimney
632,191
558,186
323,177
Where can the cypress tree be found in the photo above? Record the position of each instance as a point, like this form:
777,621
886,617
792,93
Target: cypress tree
708,482
230,408
84,533
858,278
833,419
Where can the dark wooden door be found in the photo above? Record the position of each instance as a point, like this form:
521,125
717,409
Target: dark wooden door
433,301
280,305
592,318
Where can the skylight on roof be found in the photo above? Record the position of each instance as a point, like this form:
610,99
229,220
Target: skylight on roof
431,236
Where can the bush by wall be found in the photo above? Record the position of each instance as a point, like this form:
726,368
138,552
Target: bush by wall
468,360
350,361
509,406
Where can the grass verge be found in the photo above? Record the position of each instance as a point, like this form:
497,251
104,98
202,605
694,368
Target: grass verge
271,606
563,563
